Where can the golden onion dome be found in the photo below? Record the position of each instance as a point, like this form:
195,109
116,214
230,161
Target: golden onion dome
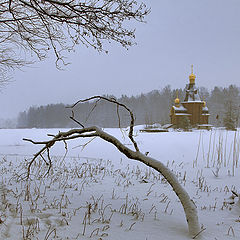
192,77
177,100
204,102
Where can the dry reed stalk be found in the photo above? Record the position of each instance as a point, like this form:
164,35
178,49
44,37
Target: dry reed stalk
199,143
209,150
230,153
203,152
225,150
214,139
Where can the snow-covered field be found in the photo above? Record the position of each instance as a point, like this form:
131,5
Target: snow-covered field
97,193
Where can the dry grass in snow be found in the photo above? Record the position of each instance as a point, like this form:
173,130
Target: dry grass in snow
99,194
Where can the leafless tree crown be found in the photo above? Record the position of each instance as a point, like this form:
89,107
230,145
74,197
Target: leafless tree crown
37,26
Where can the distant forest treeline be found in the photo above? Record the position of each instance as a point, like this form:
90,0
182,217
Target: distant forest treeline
149,108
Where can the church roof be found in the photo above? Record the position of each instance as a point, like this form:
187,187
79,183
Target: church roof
205,109
192,94
183,114
180,109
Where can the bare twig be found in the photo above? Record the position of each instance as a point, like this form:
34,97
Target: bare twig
114,101
194,237
32,28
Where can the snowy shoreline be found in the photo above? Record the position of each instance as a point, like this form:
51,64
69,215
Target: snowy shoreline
128,200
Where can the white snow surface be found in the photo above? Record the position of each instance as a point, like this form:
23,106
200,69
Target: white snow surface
95,192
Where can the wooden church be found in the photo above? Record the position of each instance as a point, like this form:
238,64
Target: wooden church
192,107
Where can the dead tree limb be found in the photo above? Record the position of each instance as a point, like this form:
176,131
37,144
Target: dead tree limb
188,205
114,101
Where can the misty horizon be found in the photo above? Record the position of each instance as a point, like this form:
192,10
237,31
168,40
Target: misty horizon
15,115
176,35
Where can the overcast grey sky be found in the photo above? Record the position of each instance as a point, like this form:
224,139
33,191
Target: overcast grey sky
178,33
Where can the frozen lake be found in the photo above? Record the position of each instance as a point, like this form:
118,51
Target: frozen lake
131,200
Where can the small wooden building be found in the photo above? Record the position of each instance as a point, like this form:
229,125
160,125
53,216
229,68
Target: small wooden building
192,108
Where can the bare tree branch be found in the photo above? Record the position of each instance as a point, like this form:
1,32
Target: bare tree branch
31,28
76,121
114,101
188,205
90,132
